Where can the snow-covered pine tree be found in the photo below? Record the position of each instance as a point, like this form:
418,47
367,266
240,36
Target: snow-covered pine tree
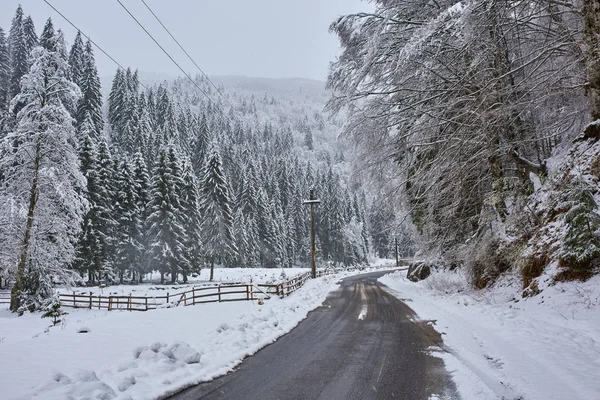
105,209
178,198
4,81
18,52
117,106
166,236
128,251
30,37
89,255
200,145
48,36
76,59
215,209
43,184
191,222
581,248
90,104
142,187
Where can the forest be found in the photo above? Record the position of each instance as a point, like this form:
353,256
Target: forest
170,178
480,118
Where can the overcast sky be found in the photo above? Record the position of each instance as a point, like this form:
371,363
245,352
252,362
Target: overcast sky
261,38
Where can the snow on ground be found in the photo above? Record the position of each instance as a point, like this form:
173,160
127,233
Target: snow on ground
152,286
142,355
504,347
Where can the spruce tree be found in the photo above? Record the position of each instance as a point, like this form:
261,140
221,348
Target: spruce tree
76,60
191,222
117,106
215,208
90,105
165,233
4,80
48,37
89,256
30,37
106,224
18,52
128,251
142,187
581,249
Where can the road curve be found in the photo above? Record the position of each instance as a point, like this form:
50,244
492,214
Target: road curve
362,343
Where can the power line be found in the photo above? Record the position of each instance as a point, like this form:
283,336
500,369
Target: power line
186,53
171,58
88,38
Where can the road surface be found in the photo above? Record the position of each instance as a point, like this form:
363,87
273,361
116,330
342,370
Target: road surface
362,343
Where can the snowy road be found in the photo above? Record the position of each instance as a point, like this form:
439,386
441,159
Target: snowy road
361,344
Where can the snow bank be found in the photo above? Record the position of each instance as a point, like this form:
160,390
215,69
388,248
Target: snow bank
143,355
502,347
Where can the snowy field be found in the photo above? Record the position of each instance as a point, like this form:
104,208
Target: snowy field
152,286
144,355
505,347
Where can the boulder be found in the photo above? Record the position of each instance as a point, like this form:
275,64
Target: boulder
418,271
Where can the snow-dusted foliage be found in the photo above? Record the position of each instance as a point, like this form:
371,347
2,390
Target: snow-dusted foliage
462,104
41,202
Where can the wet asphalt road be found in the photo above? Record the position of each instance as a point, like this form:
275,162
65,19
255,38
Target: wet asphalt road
362,343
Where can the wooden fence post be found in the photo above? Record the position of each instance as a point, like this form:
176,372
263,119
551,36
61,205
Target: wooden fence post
90,300
146,298
129,306
109,303
73,299
167,297
194,296
219,292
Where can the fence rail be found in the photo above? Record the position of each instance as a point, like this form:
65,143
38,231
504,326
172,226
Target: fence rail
4,297
196,295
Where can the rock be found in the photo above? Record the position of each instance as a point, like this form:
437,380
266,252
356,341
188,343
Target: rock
418,272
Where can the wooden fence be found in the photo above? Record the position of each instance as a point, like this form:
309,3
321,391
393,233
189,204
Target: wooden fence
196,295
4,297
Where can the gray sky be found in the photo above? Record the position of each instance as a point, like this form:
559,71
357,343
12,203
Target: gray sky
263,38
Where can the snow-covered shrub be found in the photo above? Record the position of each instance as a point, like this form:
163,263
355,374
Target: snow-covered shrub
581,248
53,310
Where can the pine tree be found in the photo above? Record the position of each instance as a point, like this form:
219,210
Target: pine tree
191,222
18,52
142,187
30,37
90,105
76,60
106,225
128,251
581,249
89,256
117,106
48,37
4,81
200,145
40,155
215,203
165,233
308,139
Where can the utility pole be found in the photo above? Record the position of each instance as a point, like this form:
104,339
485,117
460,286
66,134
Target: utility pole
397,260
312,202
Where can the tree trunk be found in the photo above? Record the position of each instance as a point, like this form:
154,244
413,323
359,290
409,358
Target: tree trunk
212,268
591,37
15,299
